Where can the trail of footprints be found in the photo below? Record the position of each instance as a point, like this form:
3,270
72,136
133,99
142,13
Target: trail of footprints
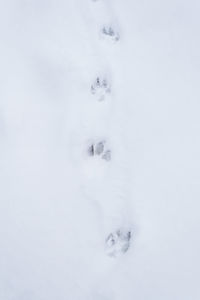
117,242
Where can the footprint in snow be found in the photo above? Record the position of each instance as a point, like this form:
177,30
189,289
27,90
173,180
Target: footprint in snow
100,88
118,242
100,149
108,32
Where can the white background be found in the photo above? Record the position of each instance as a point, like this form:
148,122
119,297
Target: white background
57,205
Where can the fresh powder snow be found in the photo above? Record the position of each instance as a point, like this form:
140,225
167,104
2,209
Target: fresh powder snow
99,150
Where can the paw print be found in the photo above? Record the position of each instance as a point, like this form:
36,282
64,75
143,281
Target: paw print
118,242
99,149
109,33
100,88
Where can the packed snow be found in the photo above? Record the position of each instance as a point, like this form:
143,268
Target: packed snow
99,150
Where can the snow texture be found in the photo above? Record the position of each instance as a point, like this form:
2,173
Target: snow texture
99,150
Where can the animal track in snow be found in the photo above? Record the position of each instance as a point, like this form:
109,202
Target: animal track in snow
100,88
109,33
118,242
99,149
107,155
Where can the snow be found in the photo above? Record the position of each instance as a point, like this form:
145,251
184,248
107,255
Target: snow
59,205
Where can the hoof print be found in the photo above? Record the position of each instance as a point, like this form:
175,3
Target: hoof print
109,33
100,88
118,242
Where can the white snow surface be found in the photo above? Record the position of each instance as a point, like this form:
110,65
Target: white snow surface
57,204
